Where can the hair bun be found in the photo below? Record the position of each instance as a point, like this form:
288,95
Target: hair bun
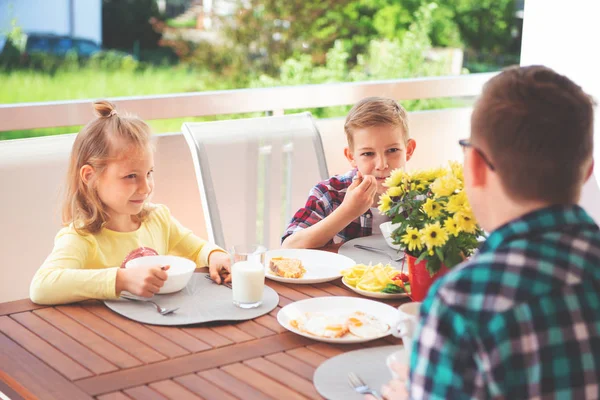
104,109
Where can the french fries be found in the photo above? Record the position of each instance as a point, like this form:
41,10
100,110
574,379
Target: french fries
372,278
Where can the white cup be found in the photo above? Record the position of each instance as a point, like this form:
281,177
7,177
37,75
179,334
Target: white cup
408,315
248,276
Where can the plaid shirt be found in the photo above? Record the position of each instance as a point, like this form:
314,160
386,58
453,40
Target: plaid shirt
520,320
323,199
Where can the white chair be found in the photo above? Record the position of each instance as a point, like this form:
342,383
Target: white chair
253,174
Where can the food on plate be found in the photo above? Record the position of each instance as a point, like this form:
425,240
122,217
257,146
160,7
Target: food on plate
377,278
321,325
287,267
329,326
365,325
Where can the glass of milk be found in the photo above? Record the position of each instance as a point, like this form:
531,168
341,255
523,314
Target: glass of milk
248,275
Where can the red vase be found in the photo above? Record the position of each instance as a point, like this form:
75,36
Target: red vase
419,277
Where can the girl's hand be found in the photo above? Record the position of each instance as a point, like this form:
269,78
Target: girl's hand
219,267
141,281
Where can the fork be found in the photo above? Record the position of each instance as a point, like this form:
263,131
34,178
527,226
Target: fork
373,249
224,284
161,310
360,387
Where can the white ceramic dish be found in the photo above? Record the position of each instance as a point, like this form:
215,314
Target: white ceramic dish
376,295
338,305
321,266
386,230
368,257
180,271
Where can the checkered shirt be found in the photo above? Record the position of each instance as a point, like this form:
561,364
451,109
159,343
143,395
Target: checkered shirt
323,199
520,320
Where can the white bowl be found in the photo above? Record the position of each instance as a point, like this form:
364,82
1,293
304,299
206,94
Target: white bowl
180,271
386,230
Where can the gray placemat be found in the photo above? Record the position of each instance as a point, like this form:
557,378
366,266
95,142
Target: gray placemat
331,378
200,301
366,257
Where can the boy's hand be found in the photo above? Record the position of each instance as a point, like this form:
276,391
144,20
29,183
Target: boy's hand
141,281
396,388
219,267
360,195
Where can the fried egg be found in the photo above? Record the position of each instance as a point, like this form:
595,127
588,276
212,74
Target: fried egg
322,325
366,326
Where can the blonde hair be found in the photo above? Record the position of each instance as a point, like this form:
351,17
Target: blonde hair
95,146
376,111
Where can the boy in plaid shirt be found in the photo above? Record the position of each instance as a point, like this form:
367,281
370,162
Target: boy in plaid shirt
521,319
378,142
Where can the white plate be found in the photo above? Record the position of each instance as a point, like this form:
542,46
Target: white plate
376,295
365,257
338,305
321,266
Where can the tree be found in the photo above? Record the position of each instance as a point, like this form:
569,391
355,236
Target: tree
125,22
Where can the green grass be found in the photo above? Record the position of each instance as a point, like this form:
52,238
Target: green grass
190,23
31,86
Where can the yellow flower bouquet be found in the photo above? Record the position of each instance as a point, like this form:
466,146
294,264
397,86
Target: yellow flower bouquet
433,216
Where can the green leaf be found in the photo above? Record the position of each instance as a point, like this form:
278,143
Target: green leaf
392,288
433,265
421,257
439,253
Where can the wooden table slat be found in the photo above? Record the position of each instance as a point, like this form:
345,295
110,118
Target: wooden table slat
88,338
261,382
287,291
173,390
293,364
65,365
208,359
207,335
308,356
255,329
232,333
176,335
328,350
64,343
233,385
17,306
144,393
113,334
22,371
285,377
143,333
114,396
203,387
284,301
271,323
310,290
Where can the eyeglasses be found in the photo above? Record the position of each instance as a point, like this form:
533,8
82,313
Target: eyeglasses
466,143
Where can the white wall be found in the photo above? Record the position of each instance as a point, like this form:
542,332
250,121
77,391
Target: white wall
563,36
53,16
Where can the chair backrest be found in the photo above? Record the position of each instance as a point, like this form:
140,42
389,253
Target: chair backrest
253,174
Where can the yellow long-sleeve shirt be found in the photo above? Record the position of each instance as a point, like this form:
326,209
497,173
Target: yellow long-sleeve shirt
85,266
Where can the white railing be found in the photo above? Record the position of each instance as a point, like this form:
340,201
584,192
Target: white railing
275,100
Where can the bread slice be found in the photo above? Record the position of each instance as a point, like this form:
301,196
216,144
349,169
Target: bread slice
287,267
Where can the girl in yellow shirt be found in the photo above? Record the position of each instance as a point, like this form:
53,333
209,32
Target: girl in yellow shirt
109,219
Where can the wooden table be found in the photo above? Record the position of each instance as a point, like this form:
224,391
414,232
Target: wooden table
85,351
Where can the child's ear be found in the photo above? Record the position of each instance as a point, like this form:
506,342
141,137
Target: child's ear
86,173
350,157
590,171
411,145
476,168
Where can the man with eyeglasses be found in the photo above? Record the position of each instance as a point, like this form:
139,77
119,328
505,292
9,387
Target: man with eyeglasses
521,318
